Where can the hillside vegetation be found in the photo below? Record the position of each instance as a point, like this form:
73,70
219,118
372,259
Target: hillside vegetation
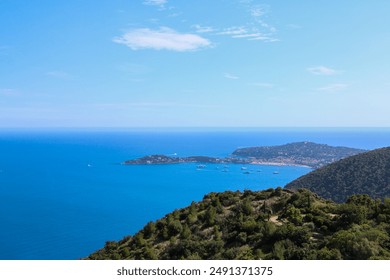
366,173
270,224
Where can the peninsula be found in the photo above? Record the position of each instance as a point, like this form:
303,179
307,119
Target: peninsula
308,154
163,159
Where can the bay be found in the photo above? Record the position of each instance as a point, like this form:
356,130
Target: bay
63,193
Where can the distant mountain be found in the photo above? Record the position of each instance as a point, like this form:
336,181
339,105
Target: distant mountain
271,224
301,153
366,173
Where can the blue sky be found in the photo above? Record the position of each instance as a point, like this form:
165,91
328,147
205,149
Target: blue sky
171,63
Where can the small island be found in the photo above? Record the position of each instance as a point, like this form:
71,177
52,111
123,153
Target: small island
307,154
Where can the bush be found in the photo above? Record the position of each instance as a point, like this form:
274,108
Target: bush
174,228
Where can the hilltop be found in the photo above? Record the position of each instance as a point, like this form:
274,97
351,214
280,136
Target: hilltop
366,173
270,224
299,153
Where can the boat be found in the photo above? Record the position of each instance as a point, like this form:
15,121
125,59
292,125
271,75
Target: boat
276,172
200,166
243,168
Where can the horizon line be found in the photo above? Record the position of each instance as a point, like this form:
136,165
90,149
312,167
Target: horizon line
196,128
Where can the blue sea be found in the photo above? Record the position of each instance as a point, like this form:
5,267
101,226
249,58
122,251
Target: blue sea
63,193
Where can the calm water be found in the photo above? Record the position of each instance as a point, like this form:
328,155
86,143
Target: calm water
64,193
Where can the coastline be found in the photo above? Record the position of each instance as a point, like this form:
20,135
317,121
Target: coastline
273,163
303,154
171,161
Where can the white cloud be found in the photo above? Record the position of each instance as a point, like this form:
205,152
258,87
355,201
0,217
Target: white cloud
231,76
235,30
163,38
203,29
257,14
333,87
258,11
238,32
261,37
159,3
322,70
256,27
265,25
249,35
265,39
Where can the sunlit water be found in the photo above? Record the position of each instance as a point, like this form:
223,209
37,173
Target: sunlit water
64,193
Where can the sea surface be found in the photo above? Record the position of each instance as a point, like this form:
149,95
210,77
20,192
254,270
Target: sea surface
63,193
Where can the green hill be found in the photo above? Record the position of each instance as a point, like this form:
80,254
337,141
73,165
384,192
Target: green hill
366,173
271,224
